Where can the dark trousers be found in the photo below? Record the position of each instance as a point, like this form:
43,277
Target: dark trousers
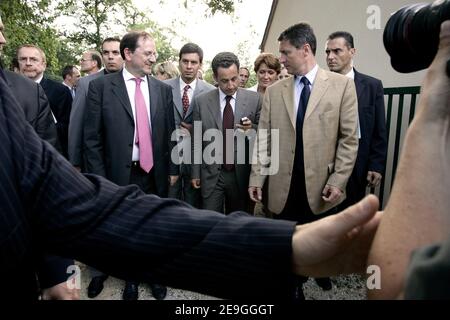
297,209
356,191
146,182
183,189
226,197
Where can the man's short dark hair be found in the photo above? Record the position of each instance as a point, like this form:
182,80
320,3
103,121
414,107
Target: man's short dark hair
224,60
192,48
111,39
130,41
67,71
298,35
343,34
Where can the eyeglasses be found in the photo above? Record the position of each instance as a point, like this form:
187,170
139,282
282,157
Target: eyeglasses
151,54
84,60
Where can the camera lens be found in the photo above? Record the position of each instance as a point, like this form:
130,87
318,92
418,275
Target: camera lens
411,36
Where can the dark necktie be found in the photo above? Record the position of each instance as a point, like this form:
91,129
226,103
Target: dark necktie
228,123
185,100
303,103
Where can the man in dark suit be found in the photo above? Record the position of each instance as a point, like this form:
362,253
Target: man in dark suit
233,113
371,158
128,126
126,233
113,62
35,105
184,89
51,270
32,64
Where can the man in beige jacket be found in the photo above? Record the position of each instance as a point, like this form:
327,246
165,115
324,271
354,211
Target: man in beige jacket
305,170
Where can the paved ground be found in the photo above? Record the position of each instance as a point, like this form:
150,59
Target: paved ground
344,288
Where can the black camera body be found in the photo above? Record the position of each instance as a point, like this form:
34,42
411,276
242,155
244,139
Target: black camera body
411,36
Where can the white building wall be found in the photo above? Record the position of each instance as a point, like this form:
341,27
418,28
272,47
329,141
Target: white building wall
327,16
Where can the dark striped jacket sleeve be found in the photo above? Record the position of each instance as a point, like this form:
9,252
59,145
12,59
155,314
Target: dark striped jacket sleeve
129,234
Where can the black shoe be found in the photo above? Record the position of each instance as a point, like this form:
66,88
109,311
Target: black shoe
159,292
130,292
324,283
95,286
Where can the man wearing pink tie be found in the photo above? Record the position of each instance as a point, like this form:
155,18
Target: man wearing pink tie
128,127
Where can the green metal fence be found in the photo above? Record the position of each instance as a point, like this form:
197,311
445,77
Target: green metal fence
401,107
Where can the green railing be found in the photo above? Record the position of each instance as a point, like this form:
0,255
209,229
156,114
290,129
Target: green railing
397,111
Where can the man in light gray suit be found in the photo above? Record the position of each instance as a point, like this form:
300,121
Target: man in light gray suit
227,109
184,89
113,62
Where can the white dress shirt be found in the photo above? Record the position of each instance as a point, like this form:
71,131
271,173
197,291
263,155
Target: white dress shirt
131,88
223,102
298,86
191,90
351,75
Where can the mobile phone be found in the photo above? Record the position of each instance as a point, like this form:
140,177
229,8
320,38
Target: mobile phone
244,119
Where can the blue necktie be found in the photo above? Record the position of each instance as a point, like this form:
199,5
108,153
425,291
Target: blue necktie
303,103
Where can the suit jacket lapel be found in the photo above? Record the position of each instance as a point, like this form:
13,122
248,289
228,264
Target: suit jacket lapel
360,87
155,98
120,91
287,93
44,84
240,106
177,96
214,108
198,90
320,86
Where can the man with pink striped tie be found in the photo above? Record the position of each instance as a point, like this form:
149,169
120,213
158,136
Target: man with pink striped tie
128,127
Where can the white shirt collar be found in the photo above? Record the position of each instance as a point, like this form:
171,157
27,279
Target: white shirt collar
66,85
128,76
311,75
351,74
222,95
183,84
38,80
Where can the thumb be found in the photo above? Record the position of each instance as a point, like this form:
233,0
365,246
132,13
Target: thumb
259,193
356,215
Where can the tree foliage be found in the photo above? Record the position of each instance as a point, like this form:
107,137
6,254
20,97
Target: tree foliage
138,21
215,6
34,21
30,22
94,19
98,17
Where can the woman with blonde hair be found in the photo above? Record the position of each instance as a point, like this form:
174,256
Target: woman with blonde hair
166,70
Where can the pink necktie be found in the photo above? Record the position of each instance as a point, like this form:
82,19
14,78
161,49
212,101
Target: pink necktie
143,135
